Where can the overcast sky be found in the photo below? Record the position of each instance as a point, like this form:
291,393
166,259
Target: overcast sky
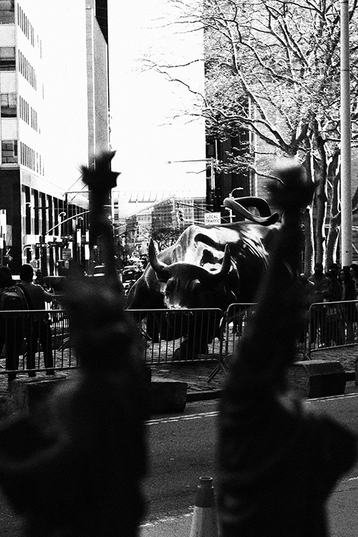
143,103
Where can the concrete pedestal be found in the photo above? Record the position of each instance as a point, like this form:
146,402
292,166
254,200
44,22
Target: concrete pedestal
317,378
167,396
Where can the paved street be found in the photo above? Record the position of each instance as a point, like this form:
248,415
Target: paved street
182,449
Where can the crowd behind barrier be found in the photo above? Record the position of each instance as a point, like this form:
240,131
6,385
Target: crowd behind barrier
22,323
164,334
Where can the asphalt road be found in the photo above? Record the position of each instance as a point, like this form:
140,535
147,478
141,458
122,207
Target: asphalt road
182,449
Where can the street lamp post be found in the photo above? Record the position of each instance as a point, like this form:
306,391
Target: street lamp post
346,190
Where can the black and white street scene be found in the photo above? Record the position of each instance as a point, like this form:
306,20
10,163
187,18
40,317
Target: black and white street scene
179,268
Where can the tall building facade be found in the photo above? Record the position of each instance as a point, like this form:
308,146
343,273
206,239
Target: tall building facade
54,118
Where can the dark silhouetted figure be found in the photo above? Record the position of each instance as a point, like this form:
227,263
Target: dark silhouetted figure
74,467
12,325
39,328
277,463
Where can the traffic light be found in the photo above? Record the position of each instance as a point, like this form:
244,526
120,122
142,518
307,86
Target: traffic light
180,216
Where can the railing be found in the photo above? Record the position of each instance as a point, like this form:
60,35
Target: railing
38,340
234,325
35,341
331,324
179,335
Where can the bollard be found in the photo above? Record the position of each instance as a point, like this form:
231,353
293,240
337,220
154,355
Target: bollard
204,522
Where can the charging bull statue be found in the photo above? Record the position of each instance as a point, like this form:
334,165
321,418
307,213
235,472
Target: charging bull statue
208,267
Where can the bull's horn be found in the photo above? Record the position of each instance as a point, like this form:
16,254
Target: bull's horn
224,269
160,268
254,201
237,208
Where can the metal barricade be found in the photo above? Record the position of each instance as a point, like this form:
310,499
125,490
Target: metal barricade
232,329
179,335
235,322
332,324
34,341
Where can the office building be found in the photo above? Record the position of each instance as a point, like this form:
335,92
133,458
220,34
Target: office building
54,119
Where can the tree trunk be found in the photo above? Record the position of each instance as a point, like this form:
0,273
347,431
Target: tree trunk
320,201
335,215
309,249
307,220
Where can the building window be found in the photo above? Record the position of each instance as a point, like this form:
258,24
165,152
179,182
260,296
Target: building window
8,104
7,58
9,151
7,12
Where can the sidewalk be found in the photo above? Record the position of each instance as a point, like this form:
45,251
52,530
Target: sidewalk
196,375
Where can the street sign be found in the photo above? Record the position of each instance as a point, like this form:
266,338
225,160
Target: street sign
212,218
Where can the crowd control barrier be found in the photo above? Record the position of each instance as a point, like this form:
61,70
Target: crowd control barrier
179,335
27,336
331,324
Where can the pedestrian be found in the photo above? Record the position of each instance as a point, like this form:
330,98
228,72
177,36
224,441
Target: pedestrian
348,294
317,318
39,279
334,326
12,325
39,329
278,463
308,290
353,270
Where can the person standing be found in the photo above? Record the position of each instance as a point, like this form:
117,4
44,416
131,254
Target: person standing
334,329
348,294
39,330
12,325
318,321
353,270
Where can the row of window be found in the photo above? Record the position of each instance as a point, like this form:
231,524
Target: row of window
7,59
7,12
27,70
9,151
41,212
28,114
28,157
25,25
8,107
8,104
31,159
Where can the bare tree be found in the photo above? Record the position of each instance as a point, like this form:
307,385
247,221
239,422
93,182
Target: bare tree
272,67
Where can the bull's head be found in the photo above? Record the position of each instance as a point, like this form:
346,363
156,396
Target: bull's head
187,285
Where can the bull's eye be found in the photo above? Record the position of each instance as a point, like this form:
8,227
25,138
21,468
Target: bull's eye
194,286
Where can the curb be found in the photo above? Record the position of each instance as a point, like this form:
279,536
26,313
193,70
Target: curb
203,396
216,394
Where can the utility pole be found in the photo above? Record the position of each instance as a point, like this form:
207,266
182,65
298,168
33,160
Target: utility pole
346,189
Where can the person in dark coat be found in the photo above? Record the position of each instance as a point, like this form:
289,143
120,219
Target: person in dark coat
39,329
12,329
348,294
277,463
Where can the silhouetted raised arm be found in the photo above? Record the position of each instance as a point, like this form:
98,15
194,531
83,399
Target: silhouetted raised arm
277,465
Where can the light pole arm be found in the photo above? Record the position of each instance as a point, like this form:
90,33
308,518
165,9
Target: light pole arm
66,220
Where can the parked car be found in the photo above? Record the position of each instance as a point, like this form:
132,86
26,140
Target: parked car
130,275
